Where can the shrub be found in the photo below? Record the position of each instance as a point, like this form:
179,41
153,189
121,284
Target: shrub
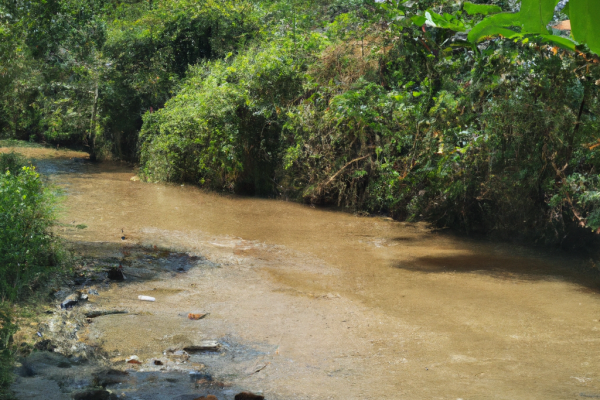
223,128
27,248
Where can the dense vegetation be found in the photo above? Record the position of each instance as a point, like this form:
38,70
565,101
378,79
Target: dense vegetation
28,251
475,116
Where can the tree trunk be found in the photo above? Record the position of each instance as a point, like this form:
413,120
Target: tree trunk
92,134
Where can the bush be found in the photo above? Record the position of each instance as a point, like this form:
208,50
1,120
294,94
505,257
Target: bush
223,128
27,248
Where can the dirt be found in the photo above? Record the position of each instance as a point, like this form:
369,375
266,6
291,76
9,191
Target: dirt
317,304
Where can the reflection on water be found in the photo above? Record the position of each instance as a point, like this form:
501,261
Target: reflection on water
439,315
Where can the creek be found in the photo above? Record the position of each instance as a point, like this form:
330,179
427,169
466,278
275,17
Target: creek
319,304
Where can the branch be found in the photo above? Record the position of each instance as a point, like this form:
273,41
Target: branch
342,169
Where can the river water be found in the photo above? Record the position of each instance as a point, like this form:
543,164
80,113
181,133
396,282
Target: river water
334,305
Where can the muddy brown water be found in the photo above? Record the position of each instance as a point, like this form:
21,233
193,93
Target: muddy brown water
332,305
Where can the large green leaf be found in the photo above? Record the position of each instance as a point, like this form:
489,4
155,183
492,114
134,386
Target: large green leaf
483,9
536,14
533,18
585,22
559,41
493,25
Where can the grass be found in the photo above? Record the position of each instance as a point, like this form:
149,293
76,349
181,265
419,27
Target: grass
19,143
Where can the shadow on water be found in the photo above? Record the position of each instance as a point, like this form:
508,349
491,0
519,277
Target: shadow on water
507,267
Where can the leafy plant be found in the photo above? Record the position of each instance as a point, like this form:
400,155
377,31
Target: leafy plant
28,250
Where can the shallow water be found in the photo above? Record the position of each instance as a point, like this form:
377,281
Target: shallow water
338,306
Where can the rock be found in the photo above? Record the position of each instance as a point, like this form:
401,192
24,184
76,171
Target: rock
205,345
91,394
70,301
115,274
110,377
177,355
134,178
196,376
26,371
44,345
248,396
208,397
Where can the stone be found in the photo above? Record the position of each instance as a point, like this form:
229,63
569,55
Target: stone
205,345
44,345
248,396
110,377
70,301
177,355
91,394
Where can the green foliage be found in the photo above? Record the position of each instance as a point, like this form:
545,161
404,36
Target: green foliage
532,18
483,9
380,106
584,20
404,119
222,129
28,250
12,162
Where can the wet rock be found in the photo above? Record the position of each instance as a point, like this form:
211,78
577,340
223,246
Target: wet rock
177,355
70,301
92,394
26,371
196,376
44,345
110,377
205,345
248,396
115,274
63,330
